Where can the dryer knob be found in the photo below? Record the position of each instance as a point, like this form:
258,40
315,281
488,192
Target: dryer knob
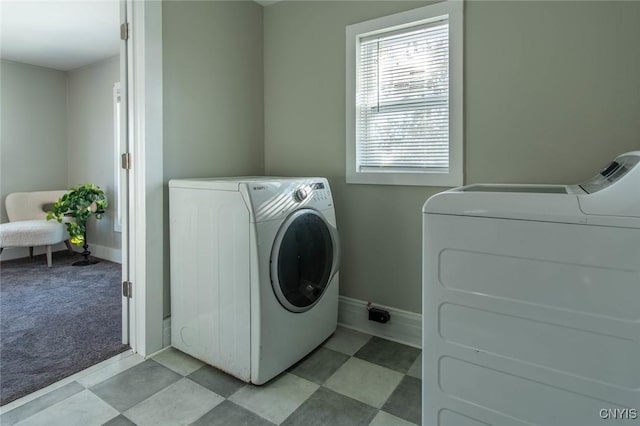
300,194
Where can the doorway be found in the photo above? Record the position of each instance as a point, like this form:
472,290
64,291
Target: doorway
68,83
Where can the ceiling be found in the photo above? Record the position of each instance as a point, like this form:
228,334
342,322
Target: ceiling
62,35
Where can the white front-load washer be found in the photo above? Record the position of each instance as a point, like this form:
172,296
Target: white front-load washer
254,271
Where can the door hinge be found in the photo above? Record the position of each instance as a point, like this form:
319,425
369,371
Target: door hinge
126,161
127,289
124,31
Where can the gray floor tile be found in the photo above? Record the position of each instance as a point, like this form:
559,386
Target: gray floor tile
346,341
119,421
416,368
319,365
227,414
388,354
134,385
178,404
406,401
364,381
178,361
82,409
326,407
45,401
216,380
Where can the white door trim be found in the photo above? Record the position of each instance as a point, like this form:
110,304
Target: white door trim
146,195
123,183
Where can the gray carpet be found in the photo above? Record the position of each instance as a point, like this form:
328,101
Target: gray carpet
55,321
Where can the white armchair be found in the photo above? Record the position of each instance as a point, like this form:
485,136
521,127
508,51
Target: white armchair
28,225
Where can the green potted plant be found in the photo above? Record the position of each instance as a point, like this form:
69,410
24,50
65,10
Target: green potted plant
80,204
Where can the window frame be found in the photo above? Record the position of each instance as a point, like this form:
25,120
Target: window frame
452,10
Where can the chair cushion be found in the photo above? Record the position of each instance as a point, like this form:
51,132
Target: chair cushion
29,233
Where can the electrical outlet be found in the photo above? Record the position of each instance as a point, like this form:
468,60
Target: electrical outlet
379,315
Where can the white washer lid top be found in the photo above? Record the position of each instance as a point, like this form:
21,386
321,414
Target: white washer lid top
613,201
553,203
226,183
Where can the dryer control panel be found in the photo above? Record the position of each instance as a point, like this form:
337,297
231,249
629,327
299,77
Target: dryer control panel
614,171
614,191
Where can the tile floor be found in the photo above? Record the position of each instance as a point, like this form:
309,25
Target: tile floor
352,379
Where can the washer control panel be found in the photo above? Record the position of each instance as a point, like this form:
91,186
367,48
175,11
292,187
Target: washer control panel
300,194
272,198
313,193
320,191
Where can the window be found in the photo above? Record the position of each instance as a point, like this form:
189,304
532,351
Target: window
404,98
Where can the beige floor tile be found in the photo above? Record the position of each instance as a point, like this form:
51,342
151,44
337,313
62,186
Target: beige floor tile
364,381
276,400
82,409
178,361
386,419
346,340
110,370
181,403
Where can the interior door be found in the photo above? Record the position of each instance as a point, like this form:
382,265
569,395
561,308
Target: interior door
304,259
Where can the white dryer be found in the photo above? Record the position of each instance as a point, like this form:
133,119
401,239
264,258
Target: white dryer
254,271
531,310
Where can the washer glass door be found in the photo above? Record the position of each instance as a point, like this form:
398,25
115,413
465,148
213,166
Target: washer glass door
303,260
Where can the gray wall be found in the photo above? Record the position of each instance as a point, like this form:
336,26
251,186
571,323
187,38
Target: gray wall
552,89
552,92
33,129
91,150
213,93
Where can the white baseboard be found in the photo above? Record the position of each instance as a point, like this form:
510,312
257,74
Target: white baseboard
166,332
102,252
107,253
403,327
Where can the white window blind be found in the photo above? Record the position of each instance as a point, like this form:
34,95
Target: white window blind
402,100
